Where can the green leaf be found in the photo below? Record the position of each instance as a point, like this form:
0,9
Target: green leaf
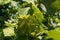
51,5
56,5
8,31
23,11
6,1
10,24
53,34
37,13
56,20
30,1
1,2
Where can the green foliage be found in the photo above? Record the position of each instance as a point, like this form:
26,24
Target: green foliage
29,19
53,34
